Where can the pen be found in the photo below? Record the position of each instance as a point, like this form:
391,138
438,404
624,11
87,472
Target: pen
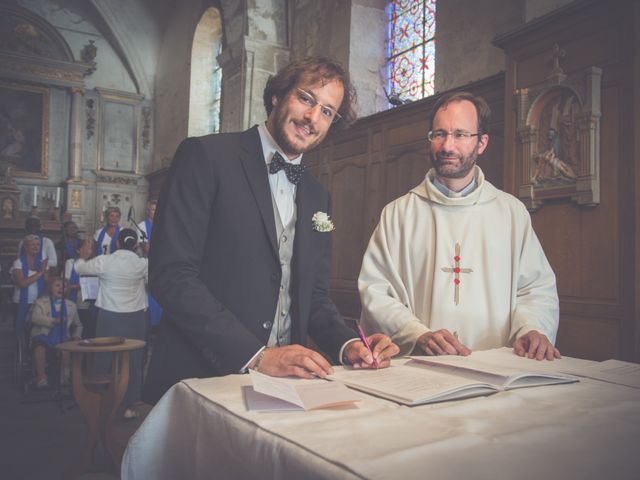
366,343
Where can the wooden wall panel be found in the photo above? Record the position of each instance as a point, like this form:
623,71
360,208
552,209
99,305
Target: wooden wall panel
591,249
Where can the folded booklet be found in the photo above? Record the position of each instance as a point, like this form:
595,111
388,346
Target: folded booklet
305,394
421,380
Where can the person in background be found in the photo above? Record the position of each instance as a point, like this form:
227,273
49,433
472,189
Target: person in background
68,246
144,241
146,227
107,236
121,302
28,272
73,292
53,320
47,250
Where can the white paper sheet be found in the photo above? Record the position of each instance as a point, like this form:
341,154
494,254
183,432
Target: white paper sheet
89,287
308,394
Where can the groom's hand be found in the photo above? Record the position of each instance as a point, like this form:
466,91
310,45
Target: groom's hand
293,360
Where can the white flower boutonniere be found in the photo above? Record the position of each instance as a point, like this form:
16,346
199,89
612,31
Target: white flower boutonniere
322,222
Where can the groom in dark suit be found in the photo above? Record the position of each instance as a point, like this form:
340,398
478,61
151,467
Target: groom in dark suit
242,246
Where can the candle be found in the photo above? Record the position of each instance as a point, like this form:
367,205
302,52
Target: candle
58,197
35,197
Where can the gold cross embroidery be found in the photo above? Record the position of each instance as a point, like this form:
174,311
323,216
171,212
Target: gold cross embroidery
456,270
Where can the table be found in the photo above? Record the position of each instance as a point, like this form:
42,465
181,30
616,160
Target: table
99,396
202,429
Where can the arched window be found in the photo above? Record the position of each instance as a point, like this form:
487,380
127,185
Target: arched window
206,75
411,48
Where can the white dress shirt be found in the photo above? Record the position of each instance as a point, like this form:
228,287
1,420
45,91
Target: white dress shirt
282,190
284,194
122,280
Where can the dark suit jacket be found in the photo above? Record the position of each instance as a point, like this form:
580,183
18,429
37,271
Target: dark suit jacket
215,269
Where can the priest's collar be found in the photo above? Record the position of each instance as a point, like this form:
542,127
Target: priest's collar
446,191
270,146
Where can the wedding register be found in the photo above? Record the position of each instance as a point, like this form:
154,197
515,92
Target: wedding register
422,380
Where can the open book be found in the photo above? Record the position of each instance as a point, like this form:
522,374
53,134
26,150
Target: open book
421,380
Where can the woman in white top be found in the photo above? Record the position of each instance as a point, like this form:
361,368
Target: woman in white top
28,274
107,236
121,302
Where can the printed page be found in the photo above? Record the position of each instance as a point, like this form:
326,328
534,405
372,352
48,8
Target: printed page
405,383
616,371
89,287
505,363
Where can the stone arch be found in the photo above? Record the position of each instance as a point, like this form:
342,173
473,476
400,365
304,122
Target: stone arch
25,33
206,74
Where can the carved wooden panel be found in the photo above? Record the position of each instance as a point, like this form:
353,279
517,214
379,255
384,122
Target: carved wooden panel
589,247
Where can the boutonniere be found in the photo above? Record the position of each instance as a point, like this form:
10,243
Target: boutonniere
322,222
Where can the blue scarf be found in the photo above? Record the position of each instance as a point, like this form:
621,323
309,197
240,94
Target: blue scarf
74,279
59,332
112,245
72,246
23,304
148,226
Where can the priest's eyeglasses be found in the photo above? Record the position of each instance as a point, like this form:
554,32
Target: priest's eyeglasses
459,136
307,99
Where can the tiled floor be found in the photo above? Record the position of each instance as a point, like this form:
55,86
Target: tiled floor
39,433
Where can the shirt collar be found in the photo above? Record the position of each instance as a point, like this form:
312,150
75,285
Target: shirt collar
450,193
270,146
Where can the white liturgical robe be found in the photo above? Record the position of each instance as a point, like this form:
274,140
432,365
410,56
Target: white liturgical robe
412,269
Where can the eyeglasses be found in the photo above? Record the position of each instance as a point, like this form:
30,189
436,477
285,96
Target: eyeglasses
307,99
459,136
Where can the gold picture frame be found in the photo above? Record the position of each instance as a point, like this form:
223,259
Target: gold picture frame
24,129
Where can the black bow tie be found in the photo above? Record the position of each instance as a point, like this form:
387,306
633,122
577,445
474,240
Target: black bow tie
293,172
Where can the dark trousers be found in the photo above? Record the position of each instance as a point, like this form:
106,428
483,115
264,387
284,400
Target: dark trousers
129,325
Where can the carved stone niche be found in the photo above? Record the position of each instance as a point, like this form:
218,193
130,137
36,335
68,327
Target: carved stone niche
558,141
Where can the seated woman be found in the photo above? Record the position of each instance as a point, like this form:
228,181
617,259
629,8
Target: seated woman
28,273
53,321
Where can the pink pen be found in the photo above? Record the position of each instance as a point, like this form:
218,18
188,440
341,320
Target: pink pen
366,344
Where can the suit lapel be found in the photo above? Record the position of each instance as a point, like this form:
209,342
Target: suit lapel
302,256
255,169
304,205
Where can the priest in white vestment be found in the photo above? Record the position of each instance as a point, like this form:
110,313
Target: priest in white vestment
454,264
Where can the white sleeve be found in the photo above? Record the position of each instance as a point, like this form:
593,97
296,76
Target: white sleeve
49,250
537,304
384,296
90,267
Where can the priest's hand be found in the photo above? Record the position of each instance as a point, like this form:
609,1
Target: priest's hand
440,342
535,345
292,360
357,354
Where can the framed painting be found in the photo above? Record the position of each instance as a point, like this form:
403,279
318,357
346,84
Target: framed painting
24,132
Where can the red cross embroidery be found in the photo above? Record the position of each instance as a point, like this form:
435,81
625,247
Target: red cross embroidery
456,270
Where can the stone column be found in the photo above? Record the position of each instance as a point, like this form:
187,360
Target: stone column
256,46
75,150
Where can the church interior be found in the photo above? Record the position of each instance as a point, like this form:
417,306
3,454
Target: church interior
95,96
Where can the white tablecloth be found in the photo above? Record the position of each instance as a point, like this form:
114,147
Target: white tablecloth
202,429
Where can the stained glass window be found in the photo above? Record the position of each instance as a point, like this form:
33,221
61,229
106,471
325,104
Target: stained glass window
411,48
